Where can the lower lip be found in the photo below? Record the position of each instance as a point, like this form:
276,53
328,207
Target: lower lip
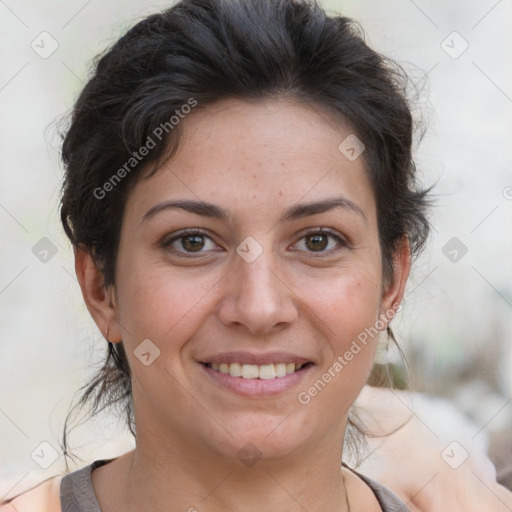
258,387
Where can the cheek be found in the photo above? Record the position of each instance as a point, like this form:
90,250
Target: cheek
350,315
346,305
346,299
160,303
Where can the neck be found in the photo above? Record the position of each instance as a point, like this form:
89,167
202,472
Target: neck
191,481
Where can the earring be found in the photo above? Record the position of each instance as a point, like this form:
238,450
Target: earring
382,355
106,334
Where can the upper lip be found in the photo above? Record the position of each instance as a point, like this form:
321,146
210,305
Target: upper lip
254,358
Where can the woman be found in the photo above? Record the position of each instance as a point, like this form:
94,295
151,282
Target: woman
240,195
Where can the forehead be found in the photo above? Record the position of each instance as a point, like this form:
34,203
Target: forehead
259,154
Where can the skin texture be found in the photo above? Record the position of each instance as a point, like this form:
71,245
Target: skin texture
255,160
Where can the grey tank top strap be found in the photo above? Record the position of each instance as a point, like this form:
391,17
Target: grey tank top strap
77,492
388,501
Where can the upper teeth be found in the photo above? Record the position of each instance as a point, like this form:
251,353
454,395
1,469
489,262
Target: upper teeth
255,371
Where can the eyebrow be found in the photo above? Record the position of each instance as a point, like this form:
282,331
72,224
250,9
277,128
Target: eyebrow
299,211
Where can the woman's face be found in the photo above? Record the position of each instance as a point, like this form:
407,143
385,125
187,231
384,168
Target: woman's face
258,285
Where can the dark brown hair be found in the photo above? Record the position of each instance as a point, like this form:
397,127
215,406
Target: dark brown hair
209,50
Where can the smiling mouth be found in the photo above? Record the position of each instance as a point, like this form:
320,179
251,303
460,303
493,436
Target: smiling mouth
255,371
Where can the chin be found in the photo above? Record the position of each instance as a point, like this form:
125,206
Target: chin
264,438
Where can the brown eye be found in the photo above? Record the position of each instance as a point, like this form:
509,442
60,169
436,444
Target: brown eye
189,242
320,240
317,242
192,242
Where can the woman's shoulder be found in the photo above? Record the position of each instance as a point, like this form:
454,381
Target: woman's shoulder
44,497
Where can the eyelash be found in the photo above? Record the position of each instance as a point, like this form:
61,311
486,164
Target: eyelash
342,243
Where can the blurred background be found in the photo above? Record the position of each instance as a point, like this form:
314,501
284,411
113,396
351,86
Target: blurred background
456,324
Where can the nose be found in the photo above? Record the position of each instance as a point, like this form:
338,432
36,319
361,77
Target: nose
257,297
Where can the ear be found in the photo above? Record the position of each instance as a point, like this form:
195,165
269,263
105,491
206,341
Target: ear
99,299
394,292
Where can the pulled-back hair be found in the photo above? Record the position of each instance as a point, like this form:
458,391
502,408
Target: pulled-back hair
201,51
